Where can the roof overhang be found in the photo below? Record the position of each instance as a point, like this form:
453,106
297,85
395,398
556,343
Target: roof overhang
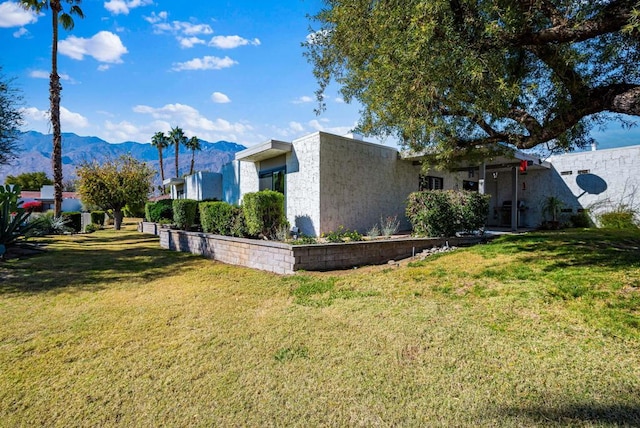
174,181
263,151
497,163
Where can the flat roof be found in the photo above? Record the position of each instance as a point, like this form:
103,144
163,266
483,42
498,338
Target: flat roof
263,151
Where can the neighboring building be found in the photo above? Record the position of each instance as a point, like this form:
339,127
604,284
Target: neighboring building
331,181
46,195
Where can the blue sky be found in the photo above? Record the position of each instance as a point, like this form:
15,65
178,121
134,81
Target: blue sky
221,70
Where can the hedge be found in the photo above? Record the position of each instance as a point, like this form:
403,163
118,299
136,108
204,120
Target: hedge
446,212
264,213
156,211
97,217
184,213
216,217
73,220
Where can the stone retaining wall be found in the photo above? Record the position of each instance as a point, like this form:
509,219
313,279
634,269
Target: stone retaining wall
284,258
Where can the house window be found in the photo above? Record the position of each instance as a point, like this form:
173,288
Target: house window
470,185
272,179
428,182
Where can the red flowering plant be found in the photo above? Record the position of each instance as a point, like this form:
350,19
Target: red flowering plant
32,206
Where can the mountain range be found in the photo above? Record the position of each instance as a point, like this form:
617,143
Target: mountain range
35,155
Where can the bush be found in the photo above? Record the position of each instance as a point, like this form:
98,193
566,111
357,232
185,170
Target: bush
620,219
239,225
216,217
184,213
581,220
91,227
443,213
48,224
134,210
156,211
73,220
264,213
97,217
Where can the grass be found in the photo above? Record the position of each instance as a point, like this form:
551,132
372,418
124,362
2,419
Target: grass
107,329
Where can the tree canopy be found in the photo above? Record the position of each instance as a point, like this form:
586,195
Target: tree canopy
29,180
464,76
115,184
10,119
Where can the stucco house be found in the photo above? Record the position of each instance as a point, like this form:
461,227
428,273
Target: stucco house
331,181
46,195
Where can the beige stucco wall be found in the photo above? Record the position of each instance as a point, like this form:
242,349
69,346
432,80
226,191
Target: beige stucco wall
302,185
361,182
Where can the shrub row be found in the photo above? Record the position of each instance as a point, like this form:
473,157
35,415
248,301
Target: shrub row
446,212
261,215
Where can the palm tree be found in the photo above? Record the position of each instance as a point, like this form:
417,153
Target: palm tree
176,139
193,144
58,15
161,142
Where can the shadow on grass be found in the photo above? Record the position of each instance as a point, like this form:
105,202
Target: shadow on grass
615,249
580,414
89,262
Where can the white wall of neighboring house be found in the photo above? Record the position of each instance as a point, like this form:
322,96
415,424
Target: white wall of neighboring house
203,185
599,180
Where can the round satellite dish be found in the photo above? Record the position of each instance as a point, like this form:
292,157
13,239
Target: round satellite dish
591,183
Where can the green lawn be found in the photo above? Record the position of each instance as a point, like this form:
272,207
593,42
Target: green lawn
108,329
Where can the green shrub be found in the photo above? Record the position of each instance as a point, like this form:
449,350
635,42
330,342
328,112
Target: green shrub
91,227
184,213
239,224
134,210
156,211
342,235
73,220
47,224
97,217
581,220
445,212
264,213
216,217
620,219
13,218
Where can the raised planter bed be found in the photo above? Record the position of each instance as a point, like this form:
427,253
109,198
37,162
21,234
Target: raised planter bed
284,258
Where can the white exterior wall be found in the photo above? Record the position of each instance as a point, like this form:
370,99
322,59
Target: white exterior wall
302,185
203,185
231,182
361,182
249,181
619,168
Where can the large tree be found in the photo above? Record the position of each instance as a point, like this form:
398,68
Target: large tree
59,16
161,142
29,180
194,145
115,184
177,139
462,76
10,119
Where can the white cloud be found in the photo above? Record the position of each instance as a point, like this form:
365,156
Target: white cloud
153,19
20,32
337,130
205,63
122,131
231,42
296,126
195,123
339,100
117,7
13,15
189,42
303,100
43,74
70,121
104,47
181,27
317,37
103,67
220,98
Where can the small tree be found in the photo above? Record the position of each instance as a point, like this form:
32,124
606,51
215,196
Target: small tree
114,184
29,180
10,120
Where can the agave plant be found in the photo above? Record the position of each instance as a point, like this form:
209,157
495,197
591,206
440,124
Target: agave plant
13,218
